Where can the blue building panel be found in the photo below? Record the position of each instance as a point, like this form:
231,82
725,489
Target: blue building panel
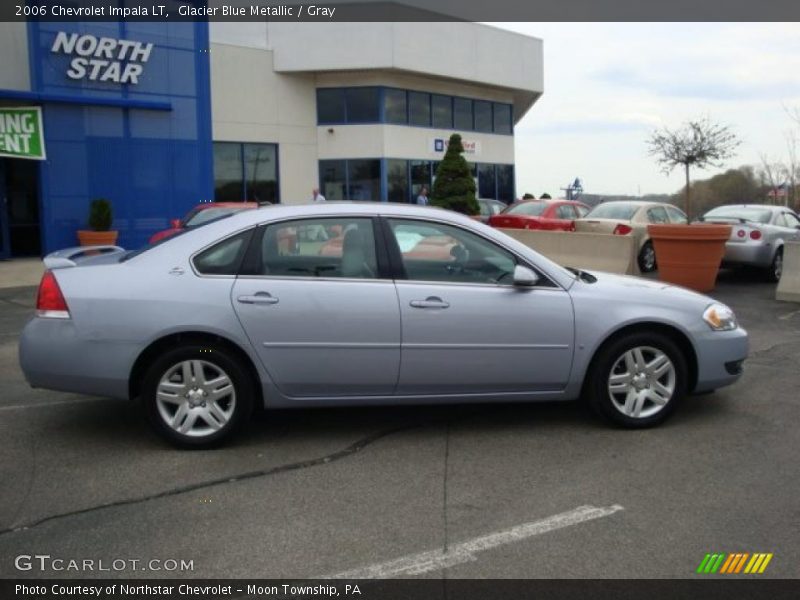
152,163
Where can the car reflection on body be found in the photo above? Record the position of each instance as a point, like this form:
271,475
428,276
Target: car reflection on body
758,235
201,214
248,312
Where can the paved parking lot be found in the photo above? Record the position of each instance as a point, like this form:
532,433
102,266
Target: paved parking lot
464,491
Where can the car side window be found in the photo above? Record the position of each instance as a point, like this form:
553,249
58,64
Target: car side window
780,220
444,253
225,257
582,211
335,247
657,214
791,220
676,215
565,211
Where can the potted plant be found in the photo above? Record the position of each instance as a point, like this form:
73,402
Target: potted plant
690,255
100,219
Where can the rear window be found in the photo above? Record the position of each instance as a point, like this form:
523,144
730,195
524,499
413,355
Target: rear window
527,208
734,213
613,210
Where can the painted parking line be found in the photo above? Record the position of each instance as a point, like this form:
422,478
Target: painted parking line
423,562
54,403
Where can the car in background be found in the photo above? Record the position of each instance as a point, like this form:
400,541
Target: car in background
758,235
631,217
237,322
201,214
489,208
550,215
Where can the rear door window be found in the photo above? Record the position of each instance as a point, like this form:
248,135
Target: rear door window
225,257
657,214
565,211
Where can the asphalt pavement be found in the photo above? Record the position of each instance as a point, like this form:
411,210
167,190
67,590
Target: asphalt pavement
516,491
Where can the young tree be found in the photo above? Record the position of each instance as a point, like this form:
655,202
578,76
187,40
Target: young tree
698,143
454,187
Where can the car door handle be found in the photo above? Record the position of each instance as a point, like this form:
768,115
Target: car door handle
258,298
430,302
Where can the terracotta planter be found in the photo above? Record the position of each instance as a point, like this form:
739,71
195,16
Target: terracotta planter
97,238
689,255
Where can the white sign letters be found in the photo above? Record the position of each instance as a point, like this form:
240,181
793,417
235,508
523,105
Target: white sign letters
104,58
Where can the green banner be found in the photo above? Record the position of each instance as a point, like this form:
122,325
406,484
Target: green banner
21,133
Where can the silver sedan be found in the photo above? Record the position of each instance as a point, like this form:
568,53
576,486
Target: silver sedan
388,307
758,235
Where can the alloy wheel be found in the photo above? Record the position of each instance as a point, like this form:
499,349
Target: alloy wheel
641,382
195,398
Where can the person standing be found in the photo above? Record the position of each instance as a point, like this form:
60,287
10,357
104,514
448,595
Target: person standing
316,196
422,199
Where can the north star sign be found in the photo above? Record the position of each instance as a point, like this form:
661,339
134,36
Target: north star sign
102,58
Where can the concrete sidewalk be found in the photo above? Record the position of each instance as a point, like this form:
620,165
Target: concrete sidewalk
20,272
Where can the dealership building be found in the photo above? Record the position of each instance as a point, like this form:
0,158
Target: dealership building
159,117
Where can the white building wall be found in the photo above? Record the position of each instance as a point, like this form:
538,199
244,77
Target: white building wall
15,73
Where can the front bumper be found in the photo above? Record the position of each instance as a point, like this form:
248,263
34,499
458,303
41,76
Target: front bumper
53,356
720,358
747,253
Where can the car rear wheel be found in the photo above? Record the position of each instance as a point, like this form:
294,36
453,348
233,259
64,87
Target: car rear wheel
775,270
197,396
647,258
637,380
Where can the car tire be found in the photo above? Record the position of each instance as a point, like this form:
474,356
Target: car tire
637,380
647,258
196,396
775,269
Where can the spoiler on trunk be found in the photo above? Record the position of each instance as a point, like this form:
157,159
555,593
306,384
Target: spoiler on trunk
72,257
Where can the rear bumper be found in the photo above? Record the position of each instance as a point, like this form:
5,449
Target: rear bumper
54,357
720,358
744,253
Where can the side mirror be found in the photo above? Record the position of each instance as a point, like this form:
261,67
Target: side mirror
175,223
524,277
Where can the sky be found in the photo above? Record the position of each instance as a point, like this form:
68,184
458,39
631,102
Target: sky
607,86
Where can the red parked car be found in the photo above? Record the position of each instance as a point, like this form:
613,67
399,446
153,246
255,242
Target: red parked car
202,213
551,215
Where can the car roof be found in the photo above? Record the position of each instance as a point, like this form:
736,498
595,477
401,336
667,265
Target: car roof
243,205
770,207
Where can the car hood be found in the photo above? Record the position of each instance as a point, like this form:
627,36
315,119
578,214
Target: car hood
627,288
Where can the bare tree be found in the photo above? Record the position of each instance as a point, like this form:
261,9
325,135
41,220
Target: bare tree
771,174
698,143
792,168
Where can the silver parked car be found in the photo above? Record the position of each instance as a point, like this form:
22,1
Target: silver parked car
759,232
389,307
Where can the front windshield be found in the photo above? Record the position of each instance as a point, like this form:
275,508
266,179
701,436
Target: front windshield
206,215
622,211
756,215
532,209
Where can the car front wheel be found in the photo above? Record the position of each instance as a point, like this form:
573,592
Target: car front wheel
196,396
637,380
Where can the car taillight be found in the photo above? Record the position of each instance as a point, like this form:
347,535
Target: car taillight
755,234
50,301
741,233
622,229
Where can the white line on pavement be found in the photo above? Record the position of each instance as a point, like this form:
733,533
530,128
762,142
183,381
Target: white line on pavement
416,564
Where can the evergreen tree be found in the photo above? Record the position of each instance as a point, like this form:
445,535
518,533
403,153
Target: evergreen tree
454,187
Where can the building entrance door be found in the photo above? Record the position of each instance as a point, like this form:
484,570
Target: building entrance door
20,230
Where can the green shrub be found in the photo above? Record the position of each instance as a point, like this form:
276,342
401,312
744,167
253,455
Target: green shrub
100,215
454,187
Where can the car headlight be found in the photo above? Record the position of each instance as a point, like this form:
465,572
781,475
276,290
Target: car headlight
720,318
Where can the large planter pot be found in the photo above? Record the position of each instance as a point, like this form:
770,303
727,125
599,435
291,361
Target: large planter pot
689,255
97,238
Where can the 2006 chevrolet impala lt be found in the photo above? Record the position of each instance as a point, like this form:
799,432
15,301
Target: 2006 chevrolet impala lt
356,304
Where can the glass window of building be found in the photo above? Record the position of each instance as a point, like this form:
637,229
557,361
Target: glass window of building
397,180
364,177
505,183
420,175
395,106
261,172
228,172
442,111
332,177
502,118
462,114
483,116
363,105
419,109
486,181
330,106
